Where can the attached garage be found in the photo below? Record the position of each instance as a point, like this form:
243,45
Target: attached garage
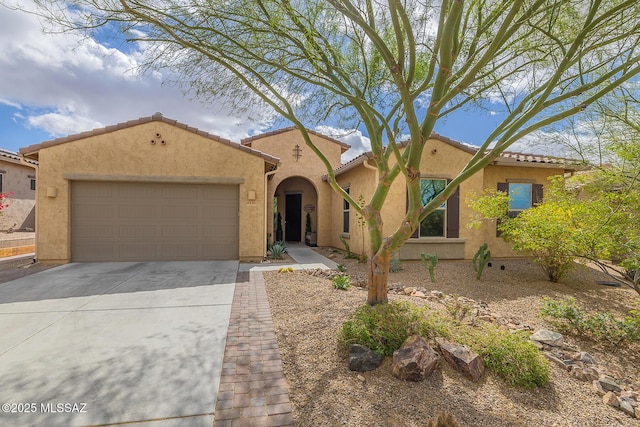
150,189
123,221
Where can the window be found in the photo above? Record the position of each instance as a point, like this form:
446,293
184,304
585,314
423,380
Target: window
519,197
434,224
32,184
522,196
345,214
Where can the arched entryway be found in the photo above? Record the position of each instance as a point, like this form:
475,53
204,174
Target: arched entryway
295,208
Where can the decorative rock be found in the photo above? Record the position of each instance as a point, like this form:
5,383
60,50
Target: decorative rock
584,373
587,358
409,290
637,411
462,359
611,399
609,385
548,337
362,359
598,388
629,400
555,359
415,360
627,408
361,378
419,294
437,294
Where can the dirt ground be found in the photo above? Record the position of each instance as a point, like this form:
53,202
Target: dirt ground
308,313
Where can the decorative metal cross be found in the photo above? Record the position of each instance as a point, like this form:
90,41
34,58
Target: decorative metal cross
297,152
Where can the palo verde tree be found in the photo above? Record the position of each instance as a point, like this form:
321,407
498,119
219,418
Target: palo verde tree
394,67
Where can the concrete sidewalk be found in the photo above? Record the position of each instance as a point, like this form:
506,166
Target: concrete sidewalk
305,259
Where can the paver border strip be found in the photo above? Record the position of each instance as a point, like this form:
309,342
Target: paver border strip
253,390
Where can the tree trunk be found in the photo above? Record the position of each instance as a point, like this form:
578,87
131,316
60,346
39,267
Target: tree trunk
378,278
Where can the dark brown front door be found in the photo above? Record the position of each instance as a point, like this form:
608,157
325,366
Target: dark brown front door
293,219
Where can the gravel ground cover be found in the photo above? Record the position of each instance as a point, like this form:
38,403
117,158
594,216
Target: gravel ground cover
308,313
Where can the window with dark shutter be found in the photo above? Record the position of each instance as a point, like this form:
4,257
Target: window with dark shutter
522,196
445,220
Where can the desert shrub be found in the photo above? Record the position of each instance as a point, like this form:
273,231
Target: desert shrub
341,267
511,356
383,328
341,281
277,251
602,327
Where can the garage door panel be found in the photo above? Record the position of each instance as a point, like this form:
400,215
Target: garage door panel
151,221
139,231
137,211
93,231
176,231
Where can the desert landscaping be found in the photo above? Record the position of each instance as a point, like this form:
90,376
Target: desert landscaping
308,314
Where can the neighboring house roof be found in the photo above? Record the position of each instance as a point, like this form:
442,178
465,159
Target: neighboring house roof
507,158
247,141
13,157
32,150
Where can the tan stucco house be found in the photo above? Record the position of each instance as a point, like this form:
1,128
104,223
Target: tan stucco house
157,189
18,180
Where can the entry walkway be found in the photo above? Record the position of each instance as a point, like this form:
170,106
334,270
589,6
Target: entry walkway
305,259
253,390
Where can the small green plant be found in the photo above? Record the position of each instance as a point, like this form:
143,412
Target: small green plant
277,251
602,327
307,225
341,267
457,308
481,258
512,356
382,327
444,419
431,264
362,223
395,265
341,281
349,255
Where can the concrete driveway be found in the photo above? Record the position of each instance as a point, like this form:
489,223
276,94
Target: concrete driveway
109,343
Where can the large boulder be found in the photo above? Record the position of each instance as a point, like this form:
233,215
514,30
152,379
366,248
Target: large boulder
545,336
363,359
415,360
461,358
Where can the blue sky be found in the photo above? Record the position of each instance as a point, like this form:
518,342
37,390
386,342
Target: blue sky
51,86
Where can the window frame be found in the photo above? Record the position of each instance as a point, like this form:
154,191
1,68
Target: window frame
346,212
442,208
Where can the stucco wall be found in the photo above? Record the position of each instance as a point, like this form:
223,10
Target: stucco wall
361,182
440,160
16,179
308,165
492,176
128,152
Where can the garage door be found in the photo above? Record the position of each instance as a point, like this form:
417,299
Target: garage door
116,221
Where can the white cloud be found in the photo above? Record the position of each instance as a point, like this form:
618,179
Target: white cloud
358,142
64,84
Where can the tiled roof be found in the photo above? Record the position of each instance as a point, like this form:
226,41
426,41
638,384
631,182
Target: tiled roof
14,157
247,141
32,150
506,158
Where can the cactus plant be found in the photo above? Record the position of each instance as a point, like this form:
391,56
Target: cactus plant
481,258
433,261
